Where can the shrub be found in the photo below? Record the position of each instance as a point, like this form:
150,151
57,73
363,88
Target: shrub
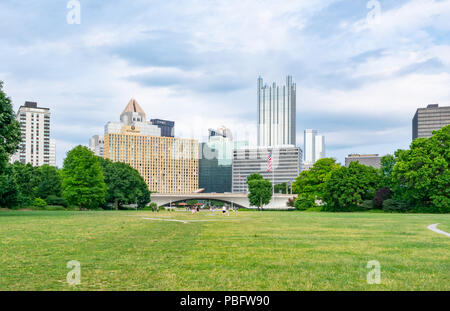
367,205
55,200
302,204
38,202
381,195
391,205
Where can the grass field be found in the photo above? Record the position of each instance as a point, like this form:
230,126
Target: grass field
244,251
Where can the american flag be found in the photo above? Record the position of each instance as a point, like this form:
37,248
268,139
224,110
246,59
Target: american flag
269,162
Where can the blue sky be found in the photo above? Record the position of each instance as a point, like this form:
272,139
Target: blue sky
359,81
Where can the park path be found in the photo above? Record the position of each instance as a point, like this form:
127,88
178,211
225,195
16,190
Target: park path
434,228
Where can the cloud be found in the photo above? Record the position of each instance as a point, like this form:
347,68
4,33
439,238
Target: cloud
196,62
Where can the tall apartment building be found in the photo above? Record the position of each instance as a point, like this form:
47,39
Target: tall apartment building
285,165
97,145
373,160
167,127
167,164
427,120
52,152
35,147
276,113
314,148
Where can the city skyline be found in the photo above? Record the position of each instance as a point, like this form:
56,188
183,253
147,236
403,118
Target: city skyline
199,69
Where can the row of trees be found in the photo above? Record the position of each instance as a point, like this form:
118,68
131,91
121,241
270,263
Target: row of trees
86,181
417,179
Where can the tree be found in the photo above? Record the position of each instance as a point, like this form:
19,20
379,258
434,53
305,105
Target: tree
282,188
49,182
124,184
421,175
254,176
381,195
386,169
9,192
26,179
9,130
348,187
310,184
83,183
260,192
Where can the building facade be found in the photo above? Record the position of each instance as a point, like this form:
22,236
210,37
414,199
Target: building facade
285,165
167,164
314,147
35,147
212,176
97,145
276,113
373,160
215,160
427,120
167,127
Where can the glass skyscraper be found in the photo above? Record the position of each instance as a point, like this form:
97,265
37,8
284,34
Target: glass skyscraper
276,113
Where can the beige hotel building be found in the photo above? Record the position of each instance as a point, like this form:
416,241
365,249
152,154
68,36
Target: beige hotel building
167,164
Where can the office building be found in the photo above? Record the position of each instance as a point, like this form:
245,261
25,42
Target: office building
212,176
215,161
314,147
427,120
35,131
246,161
373,160
97,145
276,113
167,164
167,127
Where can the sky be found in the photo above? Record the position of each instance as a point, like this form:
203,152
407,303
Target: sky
362,68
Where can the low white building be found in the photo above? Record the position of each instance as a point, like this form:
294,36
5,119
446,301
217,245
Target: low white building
246,161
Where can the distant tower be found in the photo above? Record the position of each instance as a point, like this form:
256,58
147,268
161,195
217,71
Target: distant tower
276,113
132,113
314,147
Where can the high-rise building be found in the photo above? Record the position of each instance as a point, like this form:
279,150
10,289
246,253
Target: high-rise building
246,161
167,127
35,131
427,120
373,160
310,145
215,160
276,113
314,148
52,161
97,145
167,164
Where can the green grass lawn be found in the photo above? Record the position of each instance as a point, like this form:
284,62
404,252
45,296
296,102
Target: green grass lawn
244,251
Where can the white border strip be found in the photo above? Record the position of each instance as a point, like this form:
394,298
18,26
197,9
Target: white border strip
434,228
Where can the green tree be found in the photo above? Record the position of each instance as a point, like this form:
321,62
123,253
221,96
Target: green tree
26,179
386,169
83,183
310,184
9,192
254,176
348,187
124,184
421,174
49,181
9,130
282,188
260,192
